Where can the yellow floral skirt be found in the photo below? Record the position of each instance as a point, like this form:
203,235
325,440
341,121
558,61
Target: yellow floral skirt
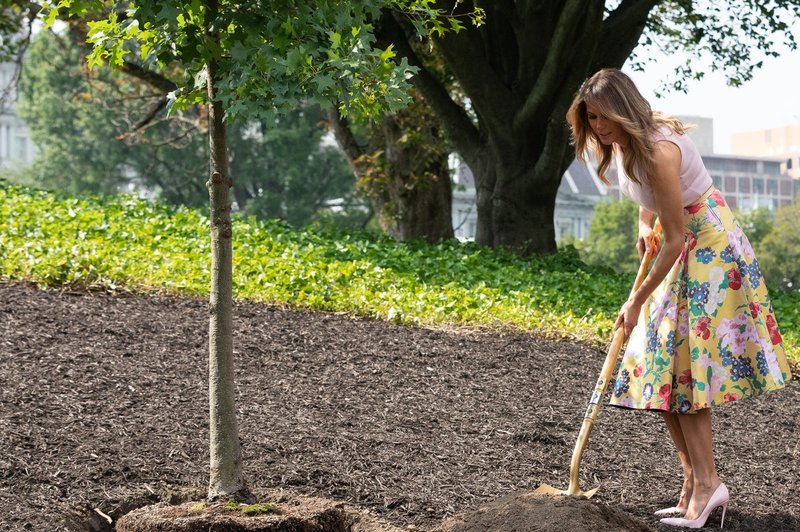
708,334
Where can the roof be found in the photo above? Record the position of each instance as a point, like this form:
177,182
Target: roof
583,180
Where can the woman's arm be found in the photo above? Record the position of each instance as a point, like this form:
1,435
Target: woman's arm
666,187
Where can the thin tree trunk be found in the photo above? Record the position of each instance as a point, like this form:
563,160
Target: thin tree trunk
226,480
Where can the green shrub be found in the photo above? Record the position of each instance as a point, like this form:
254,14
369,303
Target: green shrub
118,241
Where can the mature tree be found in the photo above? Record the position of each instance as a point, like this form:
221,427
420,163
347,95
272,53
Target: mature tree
96,131
757,224
612,236
521,69
401,161
779,251
84,124
246,59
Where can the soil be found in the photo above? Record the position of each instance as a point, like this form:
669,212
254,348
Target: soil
103,409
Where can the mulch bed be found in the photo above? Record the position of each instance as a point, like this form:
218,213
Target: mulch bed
103,405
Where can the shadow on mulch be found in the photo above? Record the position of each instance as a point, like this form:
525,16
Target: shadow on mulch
103,401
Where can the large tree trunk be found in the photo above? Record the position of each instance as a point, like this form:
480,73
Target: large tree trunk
519,72
403,170
515,206
226,480
414,197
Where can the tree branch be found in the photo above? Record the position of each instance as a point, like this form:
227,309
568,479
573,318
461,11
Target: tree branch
154,110
464,54
458,125
547,82
621,31
344,135
550,163
150,77
500,44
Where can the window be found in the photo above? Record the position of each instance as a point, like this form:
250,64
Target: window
746,204
786,187
717,180
772,187
19,151
758,185
730,183
744,184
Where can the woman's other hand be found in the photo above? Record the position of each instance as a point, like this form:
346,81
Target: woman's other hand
646,240
628,317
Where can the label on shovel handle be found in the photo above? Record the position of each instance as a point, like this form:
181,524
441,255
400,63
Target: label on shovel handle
599,388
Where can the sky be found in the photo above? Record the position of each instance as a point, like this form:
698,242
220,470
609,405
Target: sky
771,99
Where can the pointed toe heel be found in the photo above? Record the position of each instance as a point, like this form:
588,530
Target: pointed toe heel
674,510
718,499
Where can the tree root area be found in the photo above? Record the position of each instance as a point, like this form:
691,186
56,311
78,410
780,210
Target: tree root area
103,409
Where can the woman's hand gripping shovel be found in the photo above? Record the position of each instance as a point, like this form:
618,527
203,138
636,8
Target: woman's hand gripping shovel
600,388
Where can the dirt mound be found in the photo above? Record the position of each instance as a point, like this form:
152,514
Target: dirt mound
286,511
528,512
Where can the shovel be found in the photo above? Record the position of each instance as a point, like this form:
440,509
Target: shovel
574,488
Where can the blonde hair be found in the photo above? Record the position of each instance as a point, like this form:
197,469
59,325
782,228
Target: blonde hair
616,97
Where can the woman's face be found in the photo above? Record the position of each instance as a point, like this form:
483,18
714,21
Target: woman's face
608,131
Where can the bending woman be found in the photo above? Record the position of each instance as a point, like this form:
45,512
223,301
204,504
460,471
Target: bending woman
706,331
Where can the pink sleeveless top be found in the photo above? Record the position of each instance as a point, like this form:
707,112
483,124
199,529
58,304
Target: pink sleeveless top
694,176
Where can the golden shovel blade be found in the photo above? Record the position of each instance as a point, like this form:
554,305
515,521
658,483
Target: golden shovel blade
548,490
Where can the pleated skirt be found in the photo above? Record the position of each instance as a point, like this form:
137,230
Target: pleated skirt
708,334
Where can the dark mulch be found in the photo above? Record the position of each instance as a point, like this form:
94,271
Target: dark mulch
103,405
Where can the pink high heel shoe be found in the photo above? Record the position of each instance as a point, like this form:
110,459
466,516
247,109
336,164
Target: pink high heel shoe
673,510
719,498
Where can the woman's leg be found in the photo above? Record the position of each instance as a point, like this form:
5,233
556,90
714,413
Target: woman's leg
674,428
696,429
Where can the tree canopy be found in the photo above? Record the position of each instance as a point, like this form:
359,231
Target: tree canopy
520,70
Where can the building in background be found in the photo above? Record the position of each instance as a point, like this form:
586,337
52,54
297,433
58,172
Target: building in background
701,132
578,194
746,182
16,147
777,143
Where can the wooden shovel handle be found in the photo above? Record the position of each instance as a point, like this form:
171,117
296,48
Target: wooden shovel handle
605,374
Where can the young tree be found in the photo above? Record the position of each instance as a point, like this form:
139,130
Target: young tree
86,125
521,69
251,59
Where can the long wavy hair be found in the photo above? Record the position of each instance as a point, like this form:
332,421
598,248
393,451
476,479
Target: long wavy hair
616,97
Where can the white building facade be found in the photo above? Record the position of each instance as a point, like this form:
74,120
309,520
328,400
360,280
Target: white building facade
16,147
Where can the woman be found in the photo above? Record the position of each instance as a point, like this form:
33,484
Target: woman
706,331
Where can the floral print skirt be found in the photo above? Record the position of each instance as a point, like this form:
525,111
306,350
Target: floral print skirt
708,333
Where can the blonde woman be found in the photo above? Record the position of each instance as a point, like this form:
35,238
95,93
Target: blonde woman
706,332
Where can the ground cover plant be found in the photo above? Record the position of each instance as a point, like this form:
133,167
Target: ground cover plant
119,242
